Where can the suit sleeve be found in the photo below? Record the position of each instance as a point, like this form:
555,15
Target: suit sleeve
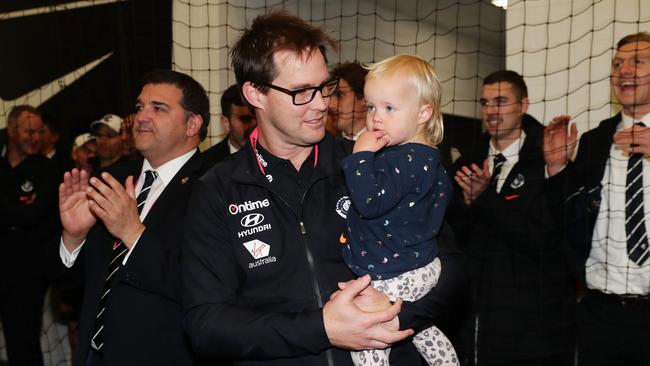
435,305
154,265
218,321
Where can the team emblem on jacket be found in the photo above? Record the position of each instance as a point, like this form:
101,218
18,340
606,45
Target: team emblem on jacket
343,206
27,186
518,182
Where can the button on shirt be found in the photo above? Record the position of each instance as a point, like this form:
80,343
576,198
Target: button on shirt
608,268
512,157
166,173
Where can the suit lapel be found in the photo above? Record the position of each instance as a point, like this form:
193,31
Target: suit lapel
525,167
601,147
178,185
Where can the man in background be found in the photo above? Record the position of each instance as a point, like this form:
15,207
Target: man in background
608,196
109,141
522,291
237,121
122,231
28,221
347,109
51,141
84,152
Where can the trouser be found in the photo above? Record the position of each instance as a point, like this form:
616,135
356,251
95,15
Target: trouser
613,330
21,313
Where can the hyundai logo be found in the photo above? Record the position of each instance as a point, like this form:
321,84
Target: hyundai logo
253,219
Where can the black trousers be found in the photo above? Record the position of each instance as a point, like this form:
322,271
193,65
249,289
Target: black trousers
613,330
21,313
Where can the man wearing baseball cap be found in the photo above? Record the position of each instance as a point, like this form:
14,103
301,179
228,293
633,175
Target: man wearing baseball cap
84,151
109,143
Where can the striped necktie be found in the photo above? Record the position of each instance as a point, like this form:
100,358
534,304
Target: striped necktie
499,160
117,256
635,231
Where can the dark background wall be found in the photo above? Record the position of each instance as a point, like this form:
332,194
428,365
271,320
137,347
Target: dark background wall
40,48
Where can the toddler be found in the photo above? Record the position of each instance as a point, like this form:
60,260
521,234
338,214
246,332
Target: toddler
399,192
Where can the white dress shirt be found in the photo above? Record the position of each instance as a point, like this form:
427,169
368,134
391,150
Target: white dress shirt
511,153
608,268
166,173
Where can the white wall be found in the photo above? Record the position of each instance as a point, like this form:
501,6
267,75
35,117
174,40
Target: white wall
564,50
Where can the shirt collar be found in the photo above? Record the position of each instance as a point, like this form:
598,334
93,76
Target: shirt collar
510,151
628,121
231,148
167,171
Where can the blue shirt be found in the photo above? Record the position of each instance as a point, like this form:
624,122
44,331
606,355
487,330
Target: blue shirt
399,198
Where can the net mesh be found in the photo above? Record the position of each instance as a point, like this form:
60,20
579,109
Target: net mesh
562,48
463,40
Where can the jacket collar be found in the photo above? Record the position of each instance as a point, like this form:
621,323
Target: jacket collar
330,152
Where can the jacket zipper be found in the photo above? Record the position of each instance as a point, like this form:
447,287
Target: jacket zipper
318,291
310,261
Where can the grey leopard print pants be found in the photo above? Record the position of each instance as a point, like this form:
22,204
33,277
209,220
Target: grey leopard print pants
432,343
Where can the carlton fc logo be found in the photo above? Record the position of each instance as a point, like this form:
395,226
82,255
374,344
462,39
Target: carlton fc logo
343,206
251,220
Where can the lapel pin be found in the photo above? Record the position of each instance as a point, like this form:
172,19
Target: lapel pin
185,180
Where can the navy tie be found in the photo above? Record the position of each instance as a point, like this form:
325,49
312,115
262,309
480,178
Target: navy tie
637,238
499,160
117,256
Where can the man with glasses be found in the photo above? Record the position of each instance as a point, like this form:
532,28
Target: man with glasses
237,120
521,291
265,229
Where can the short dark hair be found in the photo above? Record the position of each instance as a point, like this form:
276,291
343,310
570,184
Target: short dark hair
232,96
354,74
194,99
16,111
636,37
508,76
52,123
252,55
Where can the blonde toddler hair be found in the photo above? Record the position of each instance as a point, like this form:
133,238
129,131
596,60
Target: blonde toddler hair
422,76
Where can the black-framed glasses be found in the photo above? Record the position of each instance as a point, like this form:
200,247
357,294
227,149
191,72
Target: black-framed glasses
499,103
303,96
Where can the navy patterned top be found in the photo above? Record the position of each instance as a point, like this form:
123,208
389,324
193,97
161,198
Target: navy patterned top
399,198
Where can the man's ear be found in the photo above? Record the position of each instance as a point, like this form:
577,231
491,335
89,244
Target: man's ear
225,123
194,124
426,111
524,105
253,95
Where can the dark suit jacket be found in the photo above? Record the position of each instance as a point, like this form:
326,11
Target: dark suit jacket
580,184
144,317
216,153
521,283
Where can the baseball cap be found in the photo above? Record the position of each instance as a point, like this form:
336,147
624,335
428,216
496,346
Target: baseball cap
112,121
80,140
